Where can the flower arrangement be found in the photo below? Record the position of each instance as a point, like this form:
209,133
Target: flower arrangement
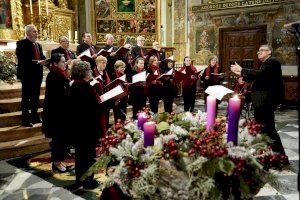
186,161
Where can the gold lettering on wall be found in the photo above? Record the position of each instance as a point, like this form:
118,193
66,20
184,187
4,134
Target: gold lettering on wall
233,4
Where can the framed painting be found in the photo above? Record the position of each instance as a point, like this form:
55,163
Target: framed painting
126,6
11,20
5,14
126,19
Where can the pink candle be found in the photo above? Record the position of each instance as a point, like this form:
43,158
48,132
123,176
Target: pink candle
211,112
141,119
149,132
234,107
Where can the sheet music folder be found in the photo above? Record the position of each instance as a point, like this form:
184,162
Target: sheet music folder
115,93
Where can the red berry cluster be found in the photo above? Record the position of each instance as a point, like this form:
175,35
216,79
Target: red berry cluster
239,166
253,127
170,149
208,145
134,167
110,140
220,125
107,142
118,125
273,160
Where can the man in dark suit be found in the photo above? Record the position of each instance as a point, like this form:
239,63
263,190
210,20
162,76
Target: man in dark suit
268,92
139,51
110,58
64,49
87,44
30,71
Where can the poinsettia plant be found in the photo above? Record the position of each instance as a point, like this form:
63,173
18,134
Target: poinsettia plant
186,161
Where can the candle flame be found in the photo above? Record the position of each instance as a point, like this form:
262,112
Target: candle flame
236,97
151,122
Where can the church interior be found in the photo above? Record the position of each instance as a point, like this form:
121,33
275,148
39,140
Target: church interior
231,30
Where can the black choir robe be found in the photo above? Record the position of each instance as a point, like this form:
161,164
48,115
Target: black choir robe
82,47
64,52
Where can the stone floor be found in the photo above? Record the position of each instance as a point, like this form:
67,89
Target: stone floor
19,180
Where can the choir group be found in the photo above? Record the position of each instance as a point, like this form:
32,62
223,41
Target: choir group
76,106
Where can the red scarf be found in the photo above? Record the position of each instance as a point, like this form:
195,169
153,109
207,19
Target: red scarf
97,96
208,73
101,82
139,70
119,74
153,68
58,71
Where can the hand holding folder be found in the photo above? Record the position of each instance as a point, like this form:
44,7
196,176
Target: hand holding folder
140,77
121,51
104,52
85,56
115,93
116,82
168,74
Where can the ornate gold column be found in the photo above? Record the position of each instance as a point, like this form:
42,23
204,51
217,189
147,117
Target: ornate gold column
180,20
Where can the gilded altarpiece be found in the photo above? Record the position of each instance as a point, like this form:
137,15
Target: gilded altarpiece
52,20
126,20
11,23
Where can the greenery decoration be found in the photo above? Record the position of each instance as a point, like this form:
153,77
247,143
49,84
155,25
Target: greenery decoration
186,162
8,69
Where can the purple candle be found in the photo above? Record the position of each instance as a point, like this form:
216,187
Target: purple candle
149,132
141,119
211,103
234,107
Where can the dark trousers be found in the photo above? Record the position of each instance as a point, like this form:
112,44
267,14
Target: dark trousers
58,149
84,158
154,101
168,103
265,115
30,99
137,104
189,97
120,110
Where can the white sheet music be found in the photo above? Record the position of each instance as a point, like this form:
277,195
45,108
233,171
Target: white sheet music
218,91
112,93
140,77
123,78
200,67
85,53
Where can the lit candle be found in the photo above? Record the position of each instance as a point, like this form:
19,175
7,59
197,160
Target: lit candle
76,37
47,11
69,35
39,3
211,103
149,132
30,5
142,118
234,107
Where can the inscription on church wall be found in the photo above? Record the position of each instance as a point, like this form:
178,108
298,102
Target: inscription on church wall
234,4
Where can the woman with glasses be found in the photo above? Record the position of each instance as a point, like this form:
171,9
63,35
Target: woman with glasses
103,79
